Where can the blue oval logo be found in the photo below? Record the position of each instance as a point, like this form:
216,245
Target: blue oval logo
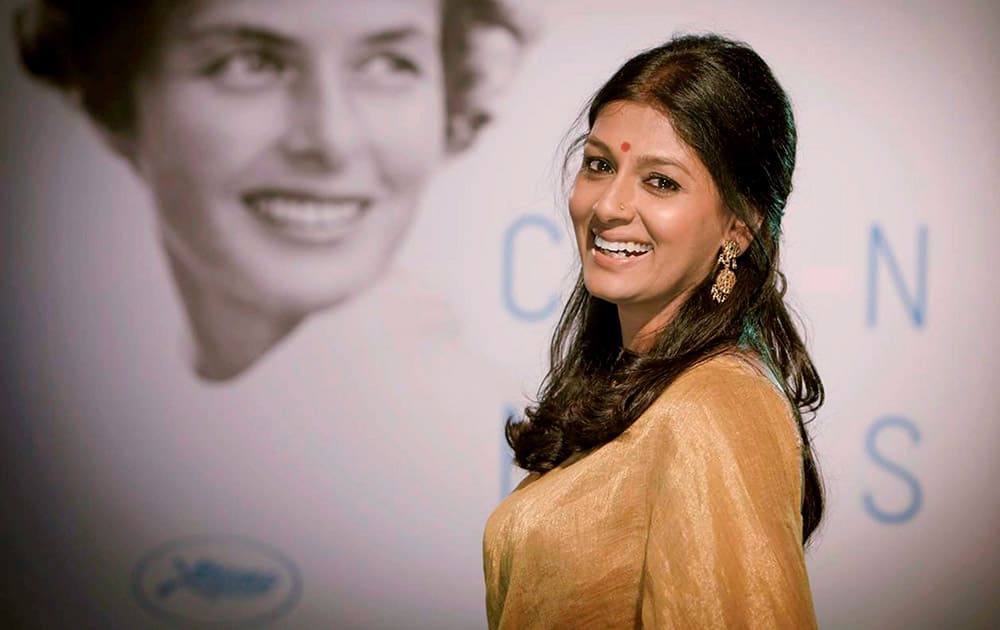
216,581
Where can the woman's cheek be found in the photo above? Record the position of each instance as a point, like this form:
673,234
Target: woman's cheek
211,133
407,135
580,219
581,200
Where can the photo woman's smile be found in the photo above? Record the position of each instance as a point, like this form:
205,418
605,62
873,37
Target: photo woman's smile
308,218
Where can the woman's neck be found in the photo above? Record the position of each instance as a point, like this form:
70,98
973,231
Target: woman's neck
641,323
229,334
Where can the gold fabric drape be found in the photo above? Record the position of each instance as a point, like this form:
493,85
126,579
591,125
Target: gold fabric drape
689,519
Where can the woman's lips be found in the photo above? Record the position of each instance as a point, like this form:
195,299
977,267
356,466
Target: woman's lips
306,218
619,250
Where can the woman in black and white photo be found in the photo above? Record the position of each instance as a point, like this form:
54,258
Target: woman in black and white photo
285,150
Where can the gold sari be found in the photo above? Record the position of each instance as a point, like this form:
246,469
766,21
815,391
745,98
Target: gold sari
689,519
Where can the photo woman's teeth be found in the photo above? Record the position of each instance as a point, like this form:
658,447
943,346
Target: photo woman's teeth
625,249
308,219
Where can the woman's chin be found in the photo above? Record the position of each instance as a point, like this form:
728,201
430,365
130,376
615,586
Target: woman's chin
217,372
615,295
222,357
305,288
289,302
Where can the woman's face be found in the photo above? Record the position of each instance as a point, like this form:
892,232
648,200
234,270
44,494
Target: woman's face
286,143
647,215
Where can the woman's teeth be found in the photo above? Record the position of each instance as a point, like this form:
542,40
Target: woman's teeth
309,219
306,212
621,249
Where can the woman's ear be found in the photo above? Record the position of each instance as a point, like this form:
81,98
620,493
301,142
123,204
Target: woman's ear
493,55
740,232
120,141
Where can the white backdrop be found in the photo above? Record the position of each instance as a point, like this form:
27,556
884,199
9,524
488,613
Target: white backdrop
354,466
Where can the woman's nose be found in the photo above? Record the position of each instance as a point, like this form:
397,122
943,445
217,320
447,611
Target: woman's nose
614,206
323,129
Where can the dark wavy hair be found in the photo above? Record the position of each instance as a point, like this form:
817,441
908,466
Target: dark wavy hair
724,102
95,50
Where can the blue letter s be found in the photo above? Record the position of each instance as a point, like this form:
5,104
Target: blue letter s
916,495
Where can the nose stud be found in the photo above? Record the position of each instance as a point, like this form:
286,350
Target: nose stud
621,207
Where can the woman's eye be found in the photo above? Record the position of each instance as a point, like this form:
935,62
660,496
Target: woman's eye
389,70
247,70
596,165
659,182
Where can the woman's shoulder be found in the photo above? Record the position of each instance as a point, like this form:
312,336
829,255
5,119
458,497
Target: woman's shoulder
725,418
729,377
731,396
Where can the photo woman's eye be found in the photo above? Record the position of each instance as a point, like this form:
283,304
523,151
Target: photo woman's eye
247,70
389,70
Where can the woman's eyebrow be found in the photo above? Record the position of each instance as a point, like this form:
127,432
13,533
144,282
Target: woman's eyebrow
394,35
256,34
238,32
641,160
658,160
599,144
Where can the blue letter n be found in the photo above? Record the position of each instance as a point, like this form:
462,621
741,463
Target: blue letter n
915,303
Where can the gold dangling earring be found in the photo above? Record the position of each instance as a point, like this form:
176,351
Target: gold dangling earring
725,280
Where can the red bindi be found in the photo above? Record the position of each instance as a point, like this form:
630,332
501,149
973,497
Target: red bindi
625,147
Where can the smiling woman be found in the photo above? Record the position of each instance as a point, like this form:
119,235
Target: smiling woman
671,482
648,238
285,149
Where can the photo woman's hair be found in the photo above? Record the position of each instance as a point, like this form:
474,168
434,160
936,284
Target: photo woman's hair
94,51
724,103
